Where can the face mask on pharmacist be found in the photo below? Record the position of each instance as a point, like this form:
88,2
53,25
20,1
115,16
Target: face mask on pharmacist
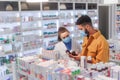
65,37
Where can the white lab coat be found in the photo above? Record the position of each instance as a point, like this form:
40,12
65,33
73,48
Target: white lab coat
61,48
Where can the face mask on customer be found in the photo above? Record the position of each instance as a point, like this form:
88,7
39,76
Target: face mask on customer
82,33
66,40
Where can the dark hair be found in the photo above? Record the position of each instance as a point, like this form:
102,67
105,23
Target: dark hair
84,20
61,30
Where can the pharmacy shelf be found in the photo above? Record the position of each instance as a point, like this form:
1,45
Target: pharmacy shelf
28,75
9,33
32,29
27,22
3,55
21,67
7,77
22,73
32,49
25,18
113,60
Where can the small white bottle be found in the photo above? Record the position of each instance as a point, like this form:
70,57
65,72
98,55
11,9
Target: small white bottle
89,62
83,62
99,69
49,74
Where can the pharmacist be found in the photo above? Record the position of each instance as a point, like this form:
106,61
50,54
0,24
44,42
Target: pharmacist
94,43
65,42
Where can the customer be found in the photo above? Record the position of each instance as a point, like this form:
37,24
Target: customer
94,43
65,42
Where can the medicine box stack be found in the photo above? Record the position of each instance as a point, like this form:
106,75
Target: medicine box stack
40,69
4,71
46,54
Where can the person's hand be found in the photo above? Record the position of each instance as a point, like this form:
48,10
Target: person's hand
71,56
77,58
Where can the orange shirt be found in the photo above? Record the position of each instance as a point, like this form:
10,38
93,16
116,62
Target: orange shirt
97,47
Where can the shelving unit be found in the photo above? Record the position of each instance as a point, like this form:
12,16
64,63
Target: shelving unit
66,16
10,25
93,13
80,9
25,28
90,9
117,28
50,19
10,37
115,32
31,28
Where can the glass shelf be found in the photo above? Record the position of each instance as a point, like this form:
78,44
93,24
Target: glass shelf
30,6
9,6
35,25
50,35
92,6
7,54
80,6
32,29
66,6
49,6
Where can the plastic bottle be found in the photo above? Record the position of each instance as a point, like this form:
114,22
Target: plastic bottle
89,62
99,69
80,77
94,67
7,60
83,62
53,76
49,74
89,59
7,40
106,69
58,76
103,68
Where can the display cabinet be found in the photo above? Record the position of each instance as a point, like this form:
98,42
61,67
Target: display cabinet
117,28
115,31
10,37
93,13
90,9
66,16
80,9
109,22
31,28
50,21
26,28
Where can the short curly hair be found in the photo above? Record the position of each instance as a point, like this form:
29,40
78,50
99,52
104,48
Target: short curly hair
83,20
